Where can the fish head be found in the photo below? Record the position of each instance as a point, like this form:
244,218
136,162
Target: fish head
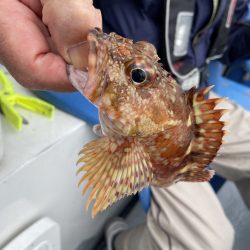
134,94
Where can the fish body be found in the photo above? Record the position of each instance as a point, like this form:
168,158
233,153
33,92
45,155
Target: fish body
153,133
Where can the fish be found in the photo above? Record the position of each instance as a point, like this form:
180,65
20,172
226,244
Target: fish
151,132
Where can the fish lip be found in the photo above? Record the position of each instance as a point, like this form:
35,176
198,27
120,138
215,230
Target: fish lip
78,78
97,62
94,85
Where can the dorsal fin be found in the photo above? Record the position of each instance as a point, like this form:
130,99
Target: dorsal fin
208,137
113,168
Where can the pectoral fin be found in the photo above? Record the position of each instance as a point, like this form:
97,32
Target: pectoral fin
113,169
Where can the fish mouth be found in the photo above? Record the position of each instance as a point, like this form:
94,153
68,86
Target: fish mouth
90,80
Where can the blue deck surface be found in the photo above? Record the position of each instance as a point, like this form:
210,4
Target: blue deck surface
73,103
239,92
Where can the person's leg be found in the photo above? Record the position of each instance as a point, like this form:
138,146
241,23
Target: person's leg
233,160
138,238
183,216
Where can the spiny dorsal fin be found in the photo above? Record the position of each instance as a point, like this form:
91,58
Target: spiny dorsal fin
113,168
208,137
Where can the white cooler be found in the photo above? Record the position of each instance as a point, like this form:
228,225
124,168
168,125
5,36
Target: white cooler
37,180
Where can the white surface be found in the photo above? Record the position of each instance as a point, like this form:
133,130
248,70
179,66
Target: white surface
37,179
40,134
42,235
1,142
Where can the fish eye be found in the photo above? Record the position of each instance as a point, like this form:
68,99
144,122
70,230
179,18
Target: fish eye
140,72
138,76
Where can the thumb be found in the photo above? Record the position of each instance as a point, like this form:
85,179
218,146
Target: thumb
69,23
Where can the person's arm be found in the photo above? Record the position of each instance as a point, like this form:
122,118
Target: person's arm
27,49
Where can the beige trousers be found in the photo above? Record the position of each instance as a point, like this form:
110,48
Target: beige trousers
188,216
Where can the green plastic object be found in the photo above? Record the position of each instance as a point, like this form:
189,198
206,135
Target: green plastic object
9,99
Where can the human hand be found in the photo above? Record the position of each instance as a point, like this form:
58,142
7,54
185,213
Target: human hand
26,47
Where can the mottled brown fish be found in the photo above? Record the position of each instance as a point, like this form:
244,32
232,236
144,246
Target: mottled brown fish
153,133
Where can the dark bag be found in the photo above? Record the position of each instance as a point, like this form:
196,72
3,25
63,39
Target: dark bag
197,32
